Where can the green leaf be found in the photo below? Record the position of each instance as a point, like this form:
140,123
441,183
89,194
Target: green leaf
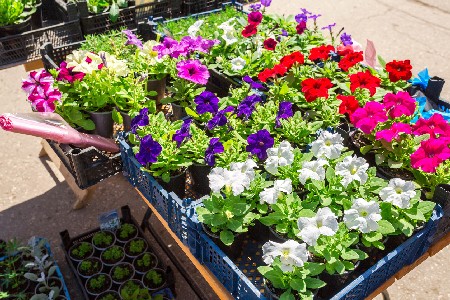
287,295
414,214
379,159
339,266
87,124
365,149
350,255
395,164
406,227
227,237
426,207
378,245
372,236
114,12
264,269
385,227
191,113
313,283
298,284
315,268
284,89
117,117
381,61
218,220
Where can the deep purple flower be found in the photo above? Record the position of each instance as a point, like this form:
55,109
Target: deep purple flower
301,18
193,70
253,84
67,74
132,39
255,7
247,106
346,39
329,26
166,47
284,112
207,102
37,82
140,120
266,3
215,146
219,119
182,133
284,32
149,150
258,143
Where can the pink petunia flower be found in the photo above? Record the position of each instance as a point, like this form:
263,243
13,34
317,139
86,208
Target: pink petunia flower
37,81
434,126
67,74
430,155
368,117
193,70
394,132
45,101
399,104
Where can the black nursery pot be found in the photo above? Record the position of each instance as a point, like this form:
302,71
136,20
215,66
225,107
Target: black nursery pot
234,250
178,112
159,86
275,236
176,184
103,123
14,29
126,120
388,173
36,18
141,269
153,286
200,182
97,267
260,232
96,291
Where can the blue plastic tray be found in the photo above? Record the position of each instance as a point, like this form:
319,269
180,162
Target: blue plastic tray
58,270
241,278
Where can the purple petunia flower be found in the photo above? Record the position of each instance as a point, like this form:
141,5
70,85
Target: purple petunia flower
284,32
207,102
167,47
183,133
305,11
258,143
266,3
329,26
247,106
346,39
193,70
219,119
301,18
215,146
253,84
149,150
314,17
37,82
255,7
132,39
205,45
140,120
284,112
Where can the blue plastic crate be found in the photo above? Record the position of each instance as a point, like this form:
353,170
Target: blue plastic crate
58,270
174,210
243,281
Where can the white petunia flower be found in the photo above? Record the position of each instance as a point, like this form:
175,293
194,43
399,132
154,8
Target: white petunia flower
227,26
270,195
291,253
114,65
194,28
83,61
148,52
398,192
324,223
352,168
245,167
328,145
363,216
313,170
280,156
237,64
229,37
237,179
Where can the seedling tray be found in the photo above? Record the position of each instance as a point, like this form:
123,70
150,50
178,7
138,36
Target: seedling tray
68,242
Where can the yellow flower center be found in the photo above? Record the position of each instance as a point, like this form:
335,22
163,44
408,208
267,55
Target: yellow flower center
353,171
327,143
364,213
398,190
285,252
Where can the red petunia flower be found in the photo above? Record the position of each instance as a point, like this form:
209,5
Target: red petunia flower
279,70
266,74
249,30
295,57
321,52
270,44
399,70
350,60
316,88
301,27
348,105
364,80
344,50
255,18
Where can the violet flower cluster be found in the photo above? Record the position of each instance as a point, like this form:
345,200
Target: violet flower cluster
185,47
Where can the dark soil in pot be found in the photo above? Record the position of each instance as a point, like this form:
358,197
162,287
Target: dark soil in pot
90,267
176,184
98,284
154,279
81,251
259,232
200,182
135,247
122,272
358,140
112,255
275,236
126,232
145,262
389,173
234,250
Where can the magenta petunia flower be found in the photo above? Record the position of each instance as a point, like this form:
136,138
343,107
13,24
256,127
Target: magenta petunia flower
44,101
434,126
394,132
368,117
399,104
67,74
167,47
193,70
430,155
37,82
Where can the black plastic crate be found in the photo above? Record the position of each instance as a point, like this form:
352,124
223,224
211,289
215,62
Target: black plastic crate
128,17
220,83
67,242
21,48
197,6
88,166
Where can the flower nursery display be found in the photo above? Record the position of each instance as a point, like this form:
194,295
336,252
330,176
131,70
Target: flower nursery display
321,148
